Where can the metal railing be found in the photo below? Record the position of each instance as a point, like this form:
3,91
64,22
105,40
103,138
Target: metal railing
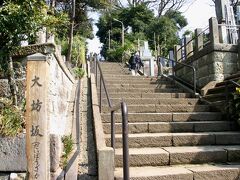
205,38
194,85
123,106
227,93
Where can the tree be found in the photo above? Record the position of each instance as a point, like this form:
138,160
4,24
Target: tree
137,18
144,26
165,29
80,24
162,6
20,21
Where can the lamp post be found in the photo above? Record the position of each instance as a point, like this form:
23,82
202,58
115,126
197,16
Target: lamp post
122,30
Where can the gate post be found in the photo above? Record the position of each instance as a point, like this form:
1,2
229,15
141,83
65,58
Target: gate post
37,135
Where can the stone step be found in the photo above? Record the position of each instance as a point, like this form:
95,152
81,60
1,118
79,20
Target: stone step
224,82
144,90
221,89
233,76
137,81
177,155
177,139
183,172
152,108
129,77
147,95
215,97
183,101
144,85
166,117
162,127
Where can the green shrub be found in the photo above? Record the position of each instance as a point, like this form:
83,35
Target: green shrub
11,119
67,148
79,72
234,106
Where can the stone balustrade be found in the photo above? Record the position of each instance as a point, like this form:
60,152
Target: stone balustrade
212,59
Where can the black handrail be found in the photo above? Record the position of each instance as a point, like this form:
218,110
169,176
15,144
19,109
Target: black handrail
123,106
187,65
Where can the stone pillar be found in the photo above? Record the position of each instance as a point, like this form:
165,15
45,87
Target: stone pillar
198,39
151,66
188,47
177,52
37,117
213,28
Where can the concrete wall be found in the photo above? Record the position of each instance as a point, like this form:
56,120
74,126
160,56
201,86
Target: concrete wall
213,63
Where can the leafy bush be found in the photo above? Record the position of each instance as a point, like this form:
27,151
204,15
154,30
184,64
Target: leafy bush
234,106
119,52
79,72
11,119
78,49
67,148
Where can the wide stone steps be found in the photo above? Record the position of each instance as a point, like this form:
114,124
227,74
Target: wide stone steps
183,172
178,155
183,101
172,135
143,90
136,81
166,117
129,78
146,95
177,139
152,108
162,127
144,85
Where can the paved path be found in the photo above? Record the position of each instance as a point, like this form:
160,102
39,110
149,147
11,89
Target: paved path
87,159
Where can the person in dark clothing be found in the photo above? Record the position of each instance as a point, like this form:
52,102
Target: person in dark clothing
135,63
132,64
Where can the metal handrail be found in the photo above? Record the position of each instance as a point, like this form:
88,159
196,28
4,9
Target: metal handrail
123,106
187,65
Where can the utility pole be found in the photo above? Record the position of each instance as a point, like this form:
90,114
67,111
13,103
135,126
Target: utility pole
158,57
70,41
109,39
122,30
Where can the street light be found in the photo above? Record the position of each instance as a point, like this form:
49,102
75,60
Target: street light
122,30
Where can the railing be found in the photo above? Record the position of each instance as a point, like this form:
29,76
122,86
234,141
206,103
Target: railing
194,85
123,106
227,93
206,37
191,44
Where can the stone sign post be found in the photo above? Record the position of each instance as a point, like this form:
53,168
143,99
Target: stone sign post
37,135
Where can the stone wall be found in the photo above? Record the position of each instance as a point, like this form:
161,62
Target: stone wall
213,63
60,99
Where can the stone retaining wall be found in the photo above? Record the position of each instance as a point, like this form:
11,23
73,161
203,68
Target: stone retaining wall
213,63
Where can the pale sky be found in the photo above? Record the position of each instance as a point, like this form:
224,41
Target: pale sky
197,14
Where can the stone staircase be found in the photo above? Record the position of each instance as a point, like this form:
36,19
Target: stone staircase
217,94
172,135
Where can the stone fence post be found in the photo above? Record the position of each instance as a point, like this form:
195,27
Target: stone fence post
37,119
198,39
188,46
214,32
177,54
